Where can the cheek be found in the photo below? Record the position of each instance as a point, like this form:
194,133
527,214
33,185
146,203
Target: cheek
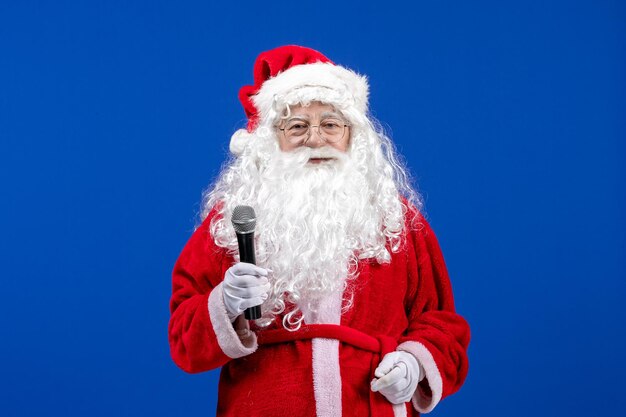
284,145
342,145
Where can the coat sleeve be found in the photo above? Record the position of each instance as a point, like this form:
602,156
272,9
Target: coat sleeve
437,336
201,336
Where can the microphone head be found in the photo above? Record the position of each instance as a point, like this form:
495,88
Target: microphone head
243,219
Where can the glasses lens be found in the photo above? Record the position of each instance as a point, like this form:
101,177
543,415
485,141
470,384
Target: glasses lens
296,131
332,130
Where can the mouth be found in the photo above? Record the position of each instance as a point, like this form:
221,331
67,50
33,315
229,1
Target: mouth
319,160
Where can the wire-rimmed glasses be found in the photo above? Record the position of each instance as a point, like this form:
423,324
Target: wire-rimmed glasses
298,131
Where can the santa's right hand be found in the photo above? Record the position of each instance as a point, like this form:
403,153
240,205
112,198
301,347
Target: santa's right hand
245,285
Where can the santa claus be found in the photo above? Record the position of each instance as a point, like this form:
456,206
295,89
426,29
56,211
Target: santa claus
358,315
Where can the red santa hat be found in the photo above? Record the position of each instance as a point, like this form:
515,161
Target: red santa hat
289,74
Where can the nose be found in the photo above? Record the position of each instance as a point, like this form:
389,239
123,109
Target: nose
315,140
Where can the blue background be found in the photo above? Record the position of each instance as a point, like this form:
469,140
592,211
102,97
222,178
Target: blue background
115,115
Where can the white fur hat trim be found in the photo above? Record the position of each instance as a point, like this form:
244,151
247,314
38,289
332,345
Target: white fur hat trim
338,84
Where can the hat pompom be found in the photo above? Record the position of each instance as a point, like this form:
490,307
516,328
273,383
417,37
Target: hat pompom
238,141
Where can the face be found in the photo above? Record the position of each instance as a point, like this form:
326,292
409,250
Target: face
314,114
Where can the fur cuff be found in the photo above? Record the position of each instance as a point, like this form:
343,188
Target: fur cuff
423,402
234,343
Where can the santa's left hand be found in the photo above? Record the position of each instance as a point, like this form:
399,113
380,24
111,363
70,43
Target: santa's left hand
397,376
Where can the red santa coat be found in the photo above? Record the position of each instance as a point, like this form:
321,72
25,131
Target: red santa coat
325,368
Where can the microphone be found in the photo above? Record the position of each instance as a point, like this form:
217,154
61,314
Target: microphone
244,222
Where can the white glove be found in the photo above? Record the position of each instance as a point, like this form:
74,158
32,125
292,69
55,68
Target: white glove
245,285
397,376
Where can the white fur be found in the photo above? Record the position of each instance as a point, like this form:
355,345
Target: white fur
421,402
239,140
326,370
234,344
326,377
399,410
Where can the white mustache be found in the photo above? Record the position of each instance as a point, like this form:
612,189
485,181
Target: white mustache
300,157
326,153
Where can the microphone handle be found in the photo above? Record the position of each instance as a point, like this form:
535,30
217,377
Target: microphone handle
246,254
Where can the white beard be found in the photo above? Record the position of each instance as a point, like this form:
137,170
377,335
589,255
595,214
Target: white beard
309,229
314,221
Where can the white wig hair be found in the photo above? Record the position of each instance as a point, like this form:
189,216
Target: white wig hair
379,230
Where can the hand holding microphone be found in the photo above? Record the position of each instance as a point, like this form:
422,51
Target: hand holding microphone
245,286
245,290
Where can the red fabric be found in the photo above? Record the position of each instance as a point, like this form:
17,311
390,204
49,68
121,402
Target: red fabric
408,299
380,346
269,64
198,270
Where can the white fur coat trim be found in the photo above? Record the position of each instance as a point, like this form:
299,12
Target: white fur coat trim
234,344
422,402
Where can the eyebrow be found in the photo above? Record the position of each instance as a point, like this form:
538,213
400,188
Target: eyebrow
331,114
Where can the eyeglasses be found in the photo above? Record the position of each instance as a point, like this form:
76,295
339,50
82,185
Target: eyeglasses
298,131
